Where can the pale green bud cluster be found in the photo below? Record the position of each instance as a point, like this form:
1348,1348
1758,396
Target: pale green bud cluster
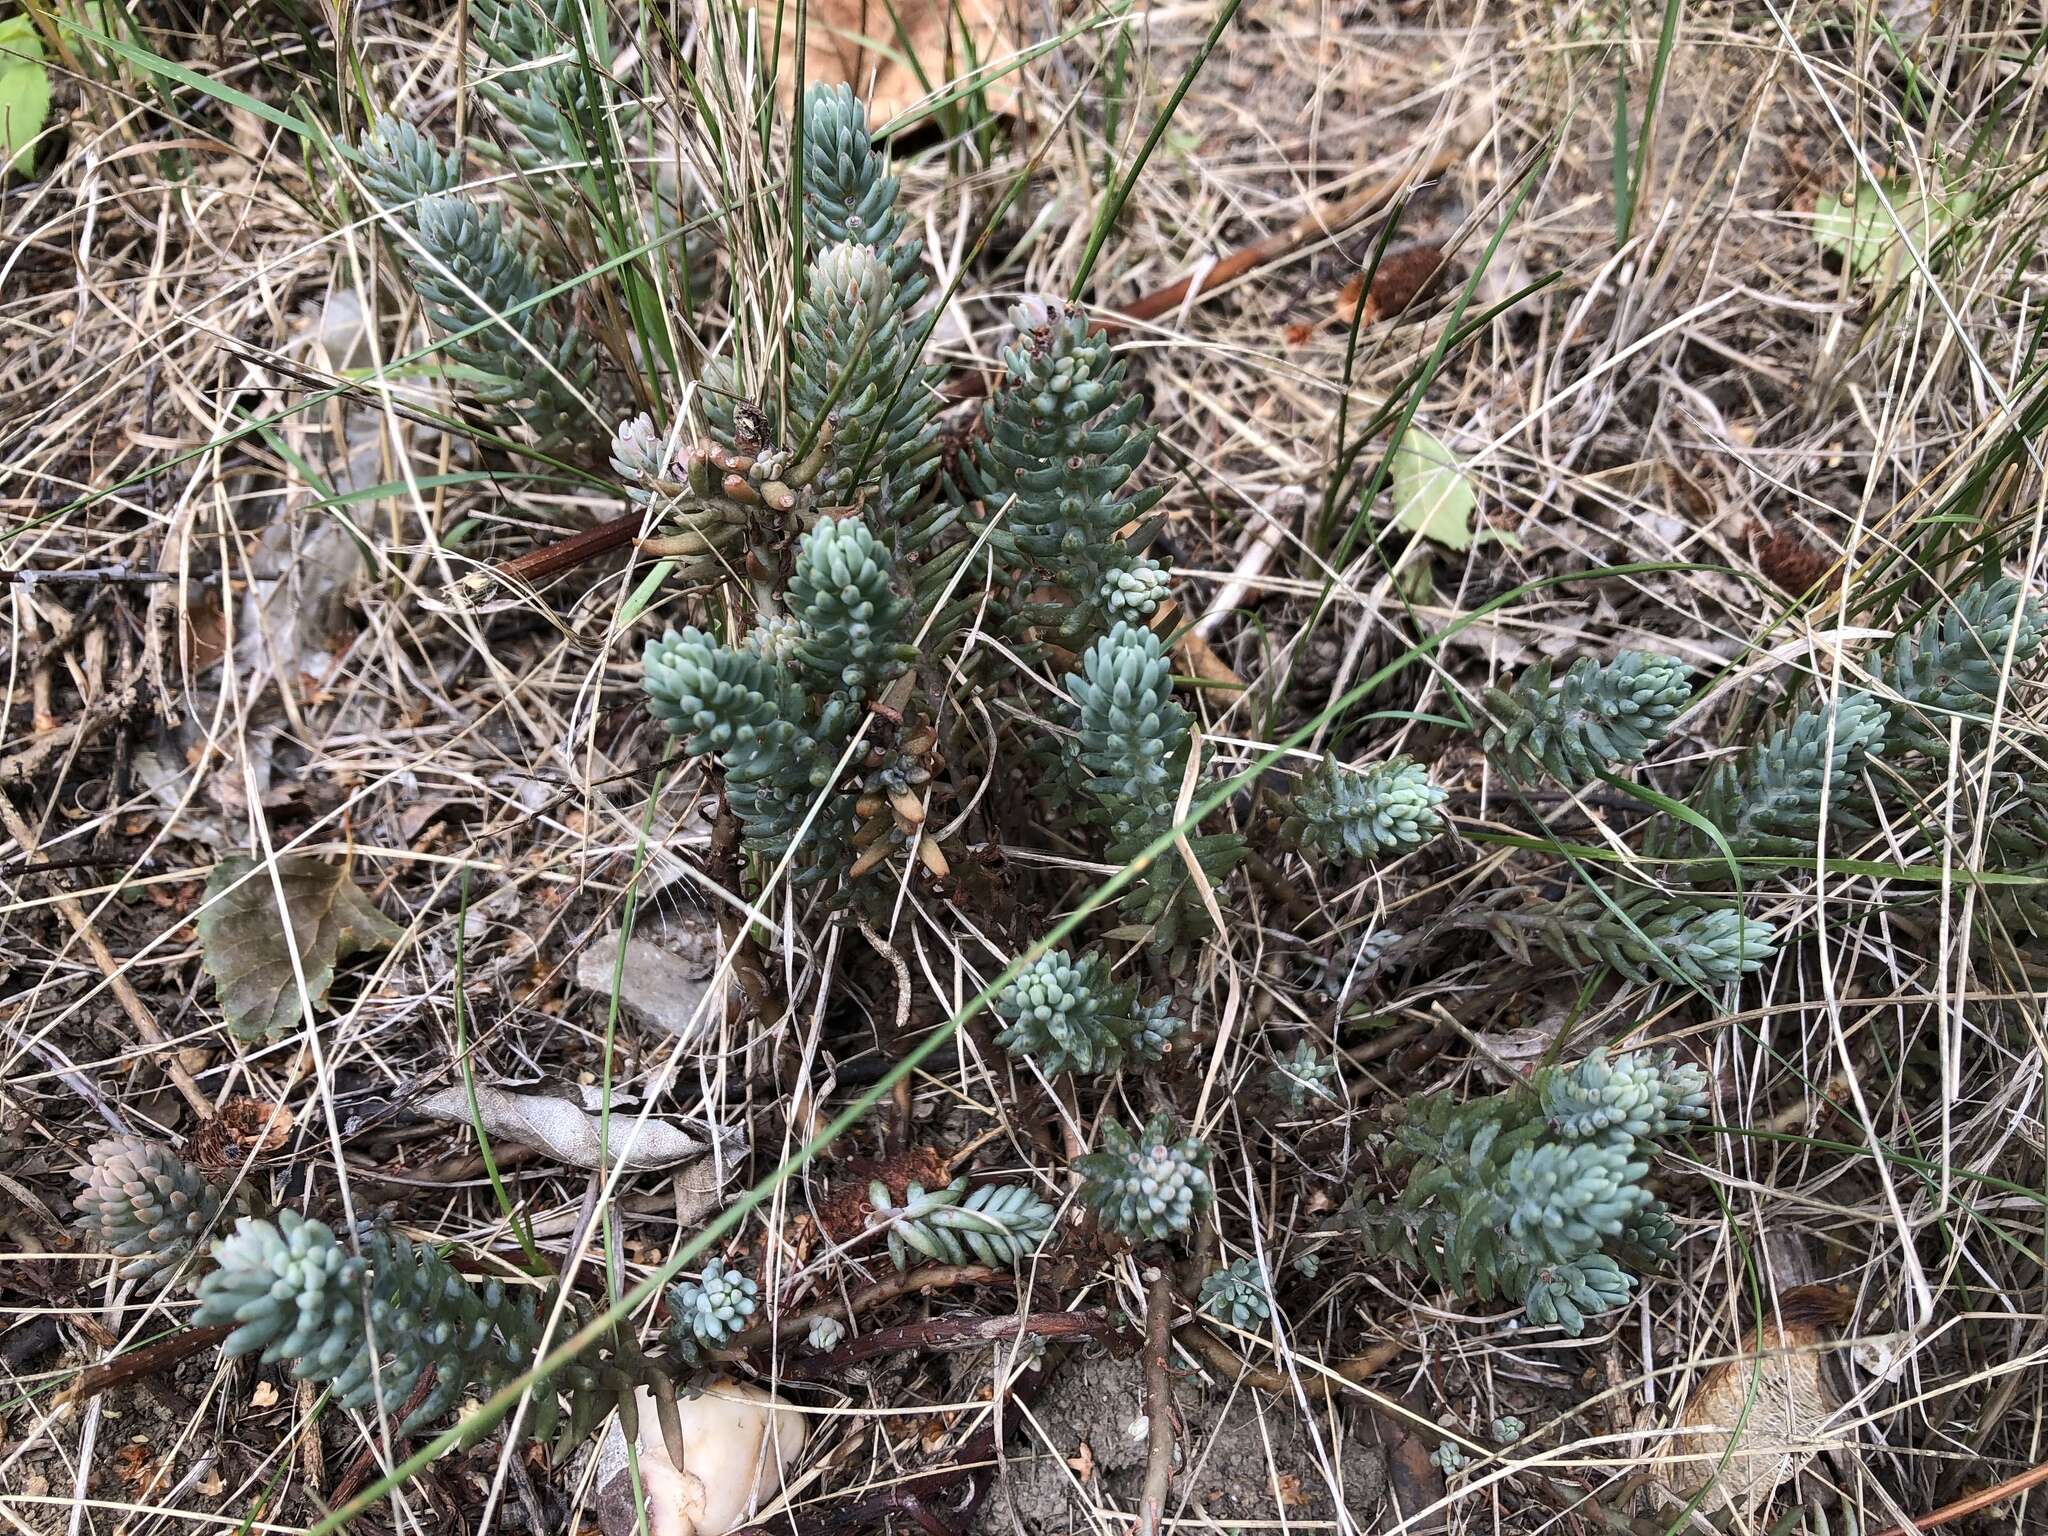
1367,813
1596,718
1150,1187
1071,1015
1236,1295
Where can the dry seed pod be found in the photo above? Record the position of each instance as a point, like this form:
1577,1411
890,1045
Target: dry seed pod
1784,1390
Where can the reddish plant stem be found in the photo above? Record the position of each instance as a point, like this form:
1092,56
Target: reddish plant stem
1969,1505
951,1333
146,1361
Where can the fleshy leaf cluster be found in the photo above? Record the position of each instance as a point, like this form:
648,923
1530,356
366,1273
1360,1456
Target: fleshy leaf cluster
1597,717
1148,1187
1062,438
992,1224
1132,740
778,711
145,1204
1067,1014
1366,813
1236,1294
1537,1193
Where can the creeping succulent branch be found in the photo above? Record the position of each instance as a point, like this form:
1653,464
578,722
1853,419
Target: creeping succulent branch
1537,1193
482,288
1596,718
993,1224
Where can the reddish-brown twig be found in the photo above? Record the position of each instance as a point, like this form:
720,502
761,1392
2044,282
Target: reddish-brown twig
1324,219
1159,1310
146,1361
951,1333
1969,1505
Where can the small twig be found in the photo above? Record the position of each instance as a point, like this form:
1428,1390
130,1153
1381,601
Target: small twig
1324,219
146,1361
933,1277
132,1005
900,968
96,574
101,712
1970,1504
1159,1309
1356,1369
951,1333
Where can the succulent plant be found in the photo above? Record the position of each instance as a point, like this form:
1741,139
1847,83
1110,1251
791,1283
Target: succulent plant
1780,793
1649,935
1537,1193
1953,662
1131,751
1389,807
1236,1294
1303,1077
1595,718
706,1310
1062,439
482,287
992,1224
1642,1095
1149,1187
367,1325
145,1204
1067,1014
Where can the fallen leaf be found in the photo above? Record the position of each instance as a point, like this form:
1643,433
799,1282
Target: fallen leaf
895,53
24,92
737,1441
1868,237
1777,1394
241,1127
568,1132
243,946
1201,660
1403,277
1434,497
135,1464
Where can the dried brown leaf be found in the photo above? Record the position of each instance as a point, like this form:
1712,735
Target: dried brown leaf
895,55
1779,1397
243,945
